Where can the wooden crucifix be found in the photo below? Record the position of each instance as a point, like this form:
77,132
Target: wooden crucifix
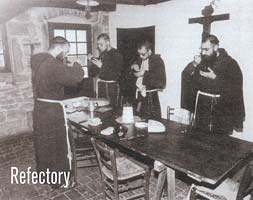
188,94
208,19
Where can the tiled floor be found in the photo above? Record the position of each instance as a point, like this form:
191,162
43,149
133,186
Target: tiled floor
18,151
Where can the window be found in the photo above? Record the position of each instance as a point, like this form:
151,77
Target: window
78,36
4,56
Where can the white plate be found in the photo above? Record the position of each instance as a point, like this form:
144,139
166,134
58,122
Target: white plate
136,119
155,126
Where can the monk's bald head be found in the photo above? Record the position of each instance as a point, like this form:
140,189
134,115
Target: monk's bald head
60,46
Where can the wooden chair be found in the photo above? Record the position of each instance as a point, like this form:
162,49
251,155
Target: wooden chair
228,190
83,153
120,174
180,115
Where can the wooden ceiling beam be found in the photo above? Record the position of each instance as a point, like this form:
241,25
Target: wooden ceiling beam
11,8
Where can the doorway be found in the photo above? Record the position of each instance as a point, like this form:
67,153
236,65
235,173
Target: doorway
127,40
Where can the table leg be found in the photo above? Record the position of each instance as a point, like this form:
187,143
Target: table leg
160,184
171,183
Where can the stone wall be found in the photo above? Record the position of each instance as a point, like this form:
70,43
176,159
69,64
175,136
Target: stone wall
31,28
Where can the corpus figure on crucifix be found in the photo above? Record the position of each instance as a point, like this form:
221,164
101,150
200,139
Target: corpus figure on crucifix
208,19
212,85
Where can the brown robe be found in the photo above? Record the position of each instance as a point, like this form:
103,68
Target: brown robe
154,78
49,77
228,111
110,71
188,88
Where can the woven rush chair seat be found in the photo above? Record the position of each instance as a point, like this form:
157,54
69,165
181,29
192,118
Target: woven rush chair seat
126,169
122,177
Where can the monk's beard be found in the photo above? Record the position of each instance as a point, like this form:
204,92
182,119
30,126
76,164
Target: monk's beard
209,59
207,62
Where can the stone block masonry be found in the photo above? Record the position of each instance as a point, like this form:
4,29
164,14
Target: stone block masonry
31,27
16,105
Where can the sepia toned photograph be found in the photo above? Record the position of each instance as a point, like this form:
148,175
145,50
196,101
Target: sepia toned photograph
126,99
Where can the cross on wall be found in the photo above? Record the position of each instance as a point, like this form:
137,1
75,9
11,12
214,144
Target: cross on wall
208,19
32,45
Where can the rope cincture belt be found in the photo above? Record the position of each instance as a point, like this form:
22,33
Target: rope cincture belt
106,87
69,155
147,91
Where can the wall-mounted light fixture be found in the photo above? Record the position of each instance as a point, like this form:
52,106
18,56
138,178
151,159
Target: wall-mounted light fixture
88,4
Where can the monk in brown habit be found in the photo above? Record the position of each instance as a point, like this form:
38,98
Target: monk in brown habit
149,71
212,88
107,67
49,77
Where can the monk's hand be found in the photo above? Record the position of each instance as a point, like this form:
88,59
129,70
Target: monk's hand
77,62
139,74
89,56
135,67
210,74
97,62
196,60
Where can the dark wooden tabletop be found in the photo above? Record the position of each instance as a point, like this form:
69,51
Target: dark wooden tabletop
206,157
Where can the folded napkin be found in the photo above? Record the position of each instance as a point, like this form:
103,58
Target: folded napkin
155,126
103,109
95,121
107,131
